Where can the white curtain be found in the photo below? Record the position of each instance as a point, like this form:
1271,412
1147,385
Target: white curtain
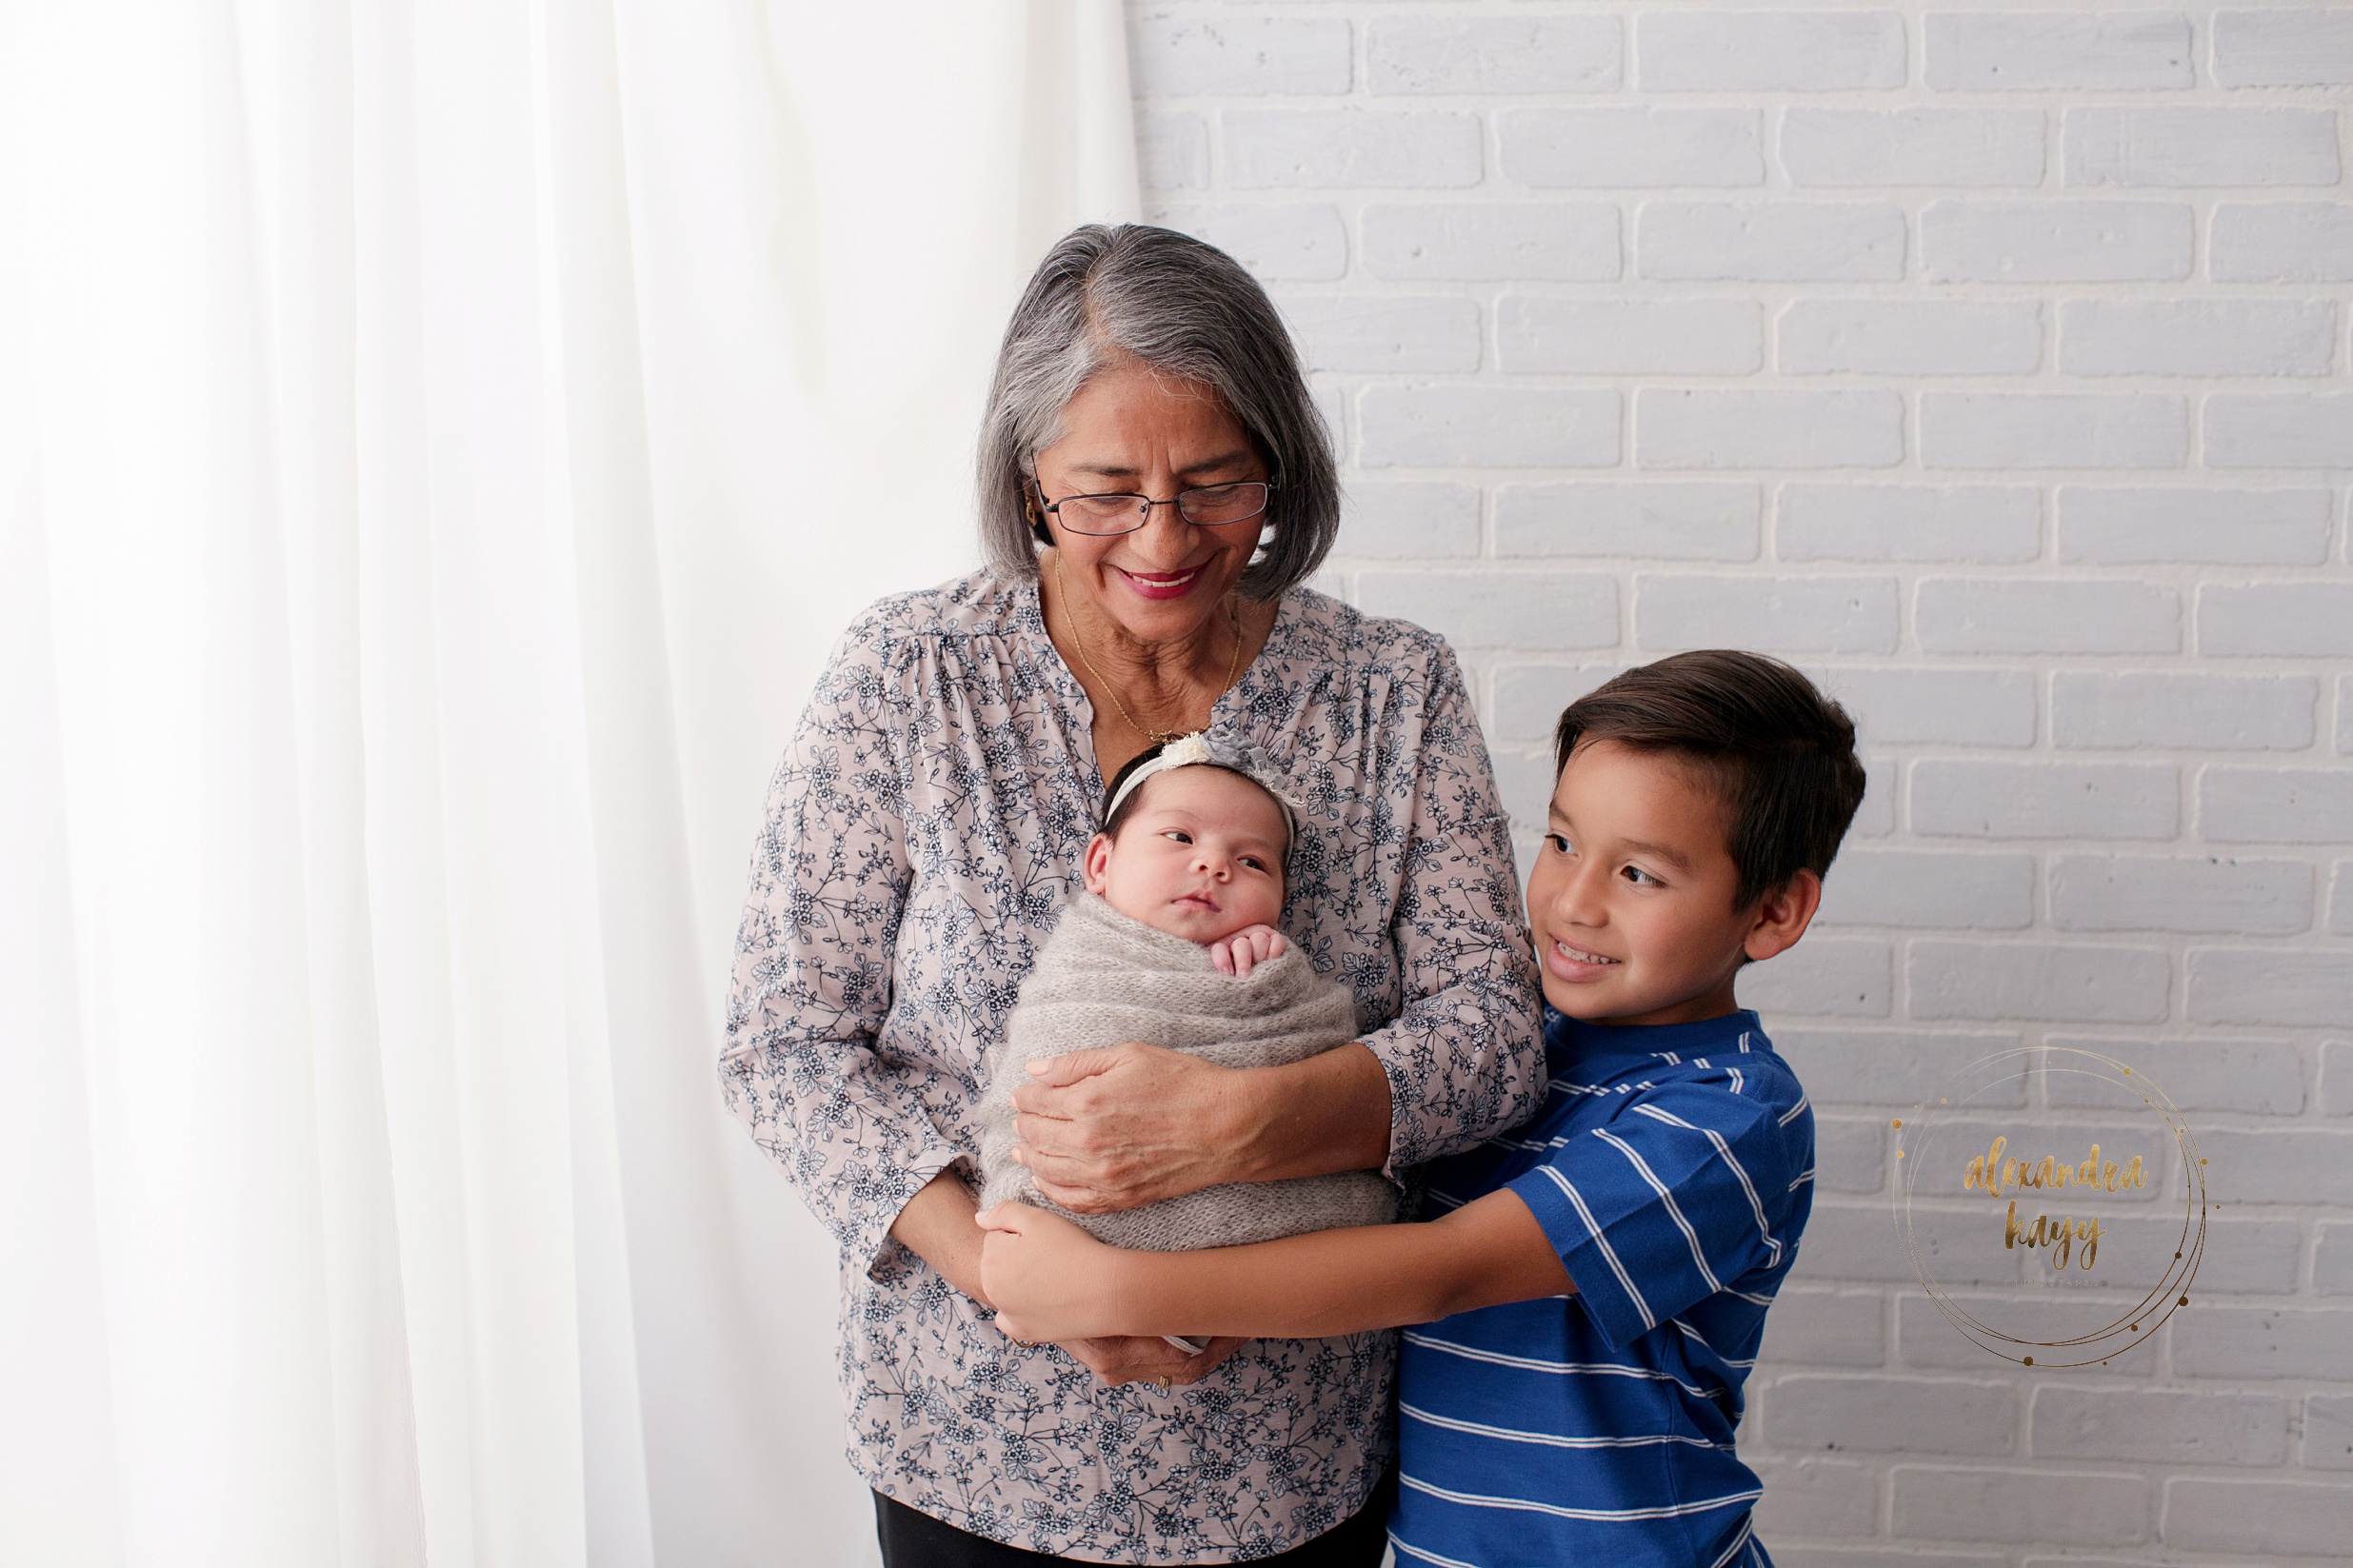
438,439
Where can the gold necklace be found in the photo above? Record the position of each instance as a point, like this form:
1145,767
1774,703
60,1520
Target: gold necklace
1233,665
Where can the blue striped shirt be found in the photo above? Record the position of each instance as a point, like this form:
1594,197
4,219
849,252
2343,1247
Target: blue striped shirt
1672,1166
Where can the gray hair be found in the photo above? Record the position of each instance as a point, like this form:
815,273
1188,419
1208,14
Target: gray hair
1185,308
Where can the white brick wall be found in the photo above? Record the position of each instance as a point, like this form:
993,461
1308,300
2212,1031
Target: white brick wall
1990,361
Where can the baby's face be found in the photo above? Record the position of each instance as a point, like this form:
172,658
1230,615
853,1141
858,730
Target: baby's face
1200,857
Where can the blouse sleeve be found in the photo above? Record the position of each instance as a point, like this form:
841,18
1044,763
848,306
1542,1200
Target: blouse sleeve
1465,1058
812,978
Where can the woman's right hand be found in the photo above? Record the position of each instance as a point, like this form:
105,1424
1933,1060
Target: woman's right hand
1132,1358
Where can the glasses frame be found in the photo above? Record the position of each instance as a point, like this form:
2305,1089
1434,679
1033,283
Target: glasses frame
1144,505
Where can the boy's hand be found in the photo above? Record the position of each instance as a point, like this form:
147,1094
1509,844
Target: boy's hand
1048,1280
1251,945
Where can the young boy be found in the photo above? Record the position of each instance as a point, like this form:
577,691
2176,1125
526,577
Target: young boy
1173,944
1597,1287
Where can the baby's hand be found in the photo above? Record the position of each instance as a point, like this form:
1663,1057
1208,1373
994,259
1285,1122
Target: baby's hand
1251,945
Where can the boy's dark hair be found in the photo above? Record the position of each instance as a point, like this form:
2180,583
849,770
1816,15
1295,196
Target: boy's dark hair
1781,755
1118,819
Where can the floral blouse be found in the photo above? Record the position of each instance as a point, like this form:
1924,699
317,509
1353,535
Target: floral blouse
924,831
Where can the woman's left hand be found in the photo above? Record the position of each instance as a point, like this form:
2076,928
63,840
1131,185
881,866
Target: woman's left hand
1119,1128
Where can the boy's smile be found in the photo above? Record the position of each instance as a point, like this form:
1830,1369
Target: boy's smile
1631,898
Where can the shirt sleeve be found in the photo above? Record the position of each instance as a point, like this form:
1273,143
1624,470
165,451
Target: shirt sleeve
1666,1205
1464,1056
812,978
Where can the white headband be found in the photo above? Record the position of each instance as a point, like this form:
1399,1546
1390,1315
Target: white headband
1198,750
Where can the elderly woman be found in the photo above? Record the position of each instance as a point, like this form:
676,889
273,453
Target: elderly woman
1155,483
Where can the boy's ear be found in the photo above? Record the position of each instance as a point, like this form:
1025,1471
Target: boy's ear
1783,915
1097,865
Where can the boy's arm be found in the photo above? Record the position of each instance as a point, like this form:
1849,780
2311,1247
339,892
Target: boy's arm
1051,1280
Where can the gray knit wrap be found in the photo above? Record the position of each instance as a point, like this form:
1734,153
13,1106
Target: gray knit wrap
1103,980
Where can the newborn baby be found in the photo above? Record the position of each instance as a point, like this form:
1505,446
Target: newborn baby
1173,944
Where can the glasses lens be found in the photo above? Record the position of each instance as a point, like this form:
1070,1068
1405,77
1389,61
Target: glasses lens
1216,503
1102,513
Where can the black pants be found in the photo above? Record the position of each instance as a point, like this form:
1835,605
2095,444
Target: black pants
917,1540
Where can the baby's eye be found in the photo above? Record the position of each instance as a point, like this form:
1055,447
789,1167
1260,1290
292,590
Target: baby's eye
1177,835
1253,862
1559,841
1640,877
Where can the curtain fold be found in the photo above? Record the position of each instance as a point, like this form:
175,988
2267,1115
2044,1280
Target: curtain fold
438,439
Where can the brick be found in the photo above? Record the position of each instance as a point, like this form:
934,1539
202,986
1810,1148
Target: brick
1924,146
1890,1415
2283,48
1395,519
2309,619
2201,896
1275,147
1794,614
2055,241
1699,337
2197,337
2279,430
1487,426
1981,800
1568,241
1812,1498
2277,1166
1233,56
2260,1076
2242,1257
1930,888
2274,805
1790,51
1427,54
2249,1341
1892,1066
1770,242
2041,981
2040,1507
1814,1327
2344,715
1983,51
1383,332
1849,1156
2341,900
1528,698
2210,712
1523,783
1844,1242
1950,707
2289,1519
2027,615
1518,609
2329,1431
1630,148
1876,817
2332,1260
1679,429
2119,526
1974,523
1277,243
1823,978
2271,985
1672,522
2053,430
2180,146
2157,1426
1910,337
1925,1338
2336,1077
1172,150
2283,242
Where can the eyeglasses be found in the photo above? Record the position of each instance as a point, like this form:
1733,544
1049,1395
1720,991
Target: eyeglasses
1208,506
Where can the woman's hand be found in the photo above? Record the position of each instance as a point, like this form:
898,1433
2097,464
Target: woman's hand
1116,1129
1245,949
1119,1128
1050,1280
